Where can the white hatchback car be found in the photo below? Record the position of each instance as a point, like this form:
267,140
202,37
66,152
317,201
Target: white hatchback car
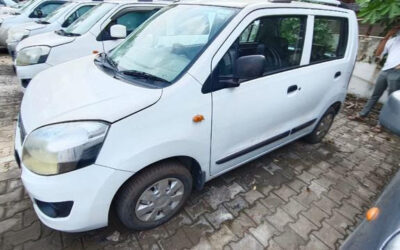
201,88
30,12
90,33
61,18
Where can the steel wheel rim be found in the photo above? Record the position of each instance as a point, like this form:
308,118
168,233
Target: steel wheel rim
324,125
159,200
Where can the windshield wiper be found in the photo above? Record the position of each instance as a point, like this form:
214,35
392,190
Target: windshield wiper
143,75
106,62
110,61
42,22
64,33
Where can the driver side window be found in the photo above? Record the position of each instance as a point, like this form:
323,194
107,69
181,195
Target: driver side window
45,8
279,39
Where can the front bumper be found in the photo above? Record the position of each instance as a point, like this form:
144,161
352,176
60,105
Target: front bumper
91,189
3,36
11,47
29,71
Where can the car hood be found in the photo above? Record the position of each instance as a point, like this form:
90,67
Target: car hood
29,26
7,11
48,39
58,95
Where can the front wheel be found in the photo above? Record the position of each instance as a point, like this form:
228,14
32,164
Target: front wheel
154,196
322,127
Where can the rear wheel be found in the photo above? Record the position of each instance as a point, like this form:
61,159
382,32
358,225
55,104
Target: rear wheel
154,196
322,127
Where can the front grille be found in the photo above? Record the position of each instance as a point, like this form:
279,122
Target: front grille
22,131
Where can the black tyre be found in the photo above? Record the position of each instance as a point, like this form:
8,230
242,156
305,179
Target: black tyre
322,127
153,196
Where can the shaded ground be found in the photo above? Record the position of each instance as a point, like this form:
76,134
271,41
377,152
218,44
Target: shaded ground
300,196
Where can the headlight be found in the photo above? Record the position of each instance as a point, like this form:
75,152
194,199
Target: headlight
32,55
16,35
63,147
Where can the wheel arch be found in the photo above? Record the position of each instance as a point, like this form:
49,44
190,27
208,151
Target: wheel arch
337,105
198,176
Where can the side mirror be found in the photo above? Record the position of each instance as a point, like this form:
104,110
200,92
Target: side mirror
118,31
250,67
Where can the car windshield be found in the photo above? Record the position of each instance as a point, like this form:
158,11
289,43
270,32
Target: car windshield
53,16
166,45
85,22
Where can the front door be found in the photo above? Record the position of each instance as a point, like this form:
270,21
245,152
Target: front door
260,113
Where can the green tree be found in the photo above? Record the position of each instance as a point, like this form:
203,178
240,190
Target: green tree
384,12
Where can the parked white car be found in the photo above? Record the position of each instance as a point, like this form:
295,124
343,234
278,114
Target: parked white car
30,12
8,3
61,18
100,29
199,89
6,11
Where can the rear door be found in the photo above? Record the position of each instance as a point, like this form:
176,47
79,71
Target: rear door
328,63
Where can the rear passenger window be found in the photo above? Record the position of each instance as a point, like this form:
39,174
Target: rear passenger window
329,38
279,39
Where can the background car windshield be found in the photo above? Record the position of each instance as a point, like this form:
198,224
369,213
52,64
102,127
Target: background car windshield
171,40
85,22
27,5
52,17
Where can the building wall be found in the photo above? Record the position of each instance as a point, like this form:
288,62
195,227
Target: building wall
366,69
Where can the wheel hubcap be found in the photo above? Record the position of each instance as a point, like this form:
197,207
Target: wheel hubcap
324,126
159,200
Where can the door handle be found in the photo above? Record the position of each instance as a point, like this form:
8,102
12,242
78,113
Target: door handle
338,74
292,89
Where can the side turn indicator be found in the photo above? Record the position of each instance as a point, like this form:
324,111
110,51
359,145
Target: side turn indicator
95,52
198,118
372,213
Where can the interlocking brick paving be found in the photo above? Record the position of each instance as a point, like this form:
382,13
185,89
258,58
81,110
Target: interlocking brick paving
298,197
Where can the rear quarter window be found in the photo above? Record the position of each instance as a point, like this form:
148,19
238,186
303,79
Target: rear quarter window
329,38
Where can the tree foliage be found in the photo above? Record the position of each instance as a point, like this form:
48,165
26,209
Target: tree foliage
385,12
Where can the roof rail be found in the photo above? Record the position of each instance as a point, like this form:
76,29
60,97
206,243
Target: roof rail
327,2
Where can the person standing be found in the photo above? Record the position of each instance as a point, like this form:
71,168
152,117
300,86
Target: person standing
389,77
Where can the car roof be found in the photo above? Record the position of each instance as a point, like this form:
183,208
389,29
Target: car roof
264,4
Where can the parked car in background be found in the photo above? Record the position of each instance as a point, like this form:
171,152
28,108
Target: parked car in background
200,88
30,12
7,11
389,116
100,29
8,3
61,18
381,229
